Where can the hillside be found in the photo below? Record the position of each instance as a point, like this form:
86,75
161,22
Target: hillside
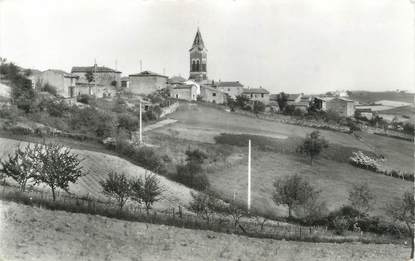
98,165
28,233
370,97
197,126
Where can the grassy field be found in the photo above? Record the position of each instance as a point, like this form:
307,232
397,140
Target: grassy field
28,233
369,97
198,125
97,165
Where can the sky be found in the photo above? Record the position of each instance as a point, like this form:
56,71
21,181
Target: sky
282,45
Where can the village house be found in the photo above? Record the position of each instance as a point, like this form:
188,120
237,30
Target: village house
125,82
146,82
63,82
188,91
232,89
102,75
211,94
257,94
342,106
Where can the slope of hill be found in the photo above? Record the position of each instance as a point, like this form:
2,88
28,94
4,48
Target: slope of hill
98,165
366,97
28,233
198,125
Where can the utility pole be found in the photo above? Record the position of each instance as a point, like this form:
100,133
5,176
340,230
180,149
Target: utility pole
249,175
141,127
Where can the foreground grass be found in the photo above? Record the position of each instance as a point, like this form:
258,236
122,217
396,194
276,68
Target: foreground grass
28,233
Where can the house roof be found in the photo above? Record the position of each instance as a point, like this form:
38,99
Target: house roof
198,41
229,84
125,78
98,69
65,74
147,74
340,99
183,86
210,88
176,79
255,90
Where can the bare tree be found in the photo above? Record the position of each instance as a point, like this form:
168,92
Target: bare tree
403,211
147,190
117,186
57,167
204,204
22,166
361,198
235,211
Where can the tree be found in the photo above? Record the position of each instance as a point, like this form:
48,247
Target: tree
292,191
408,128
57,167
403,211
361,197
289,110
313,145
282,100
242,101
128,122
258,107
117,186
21,167
191,174
235,211
204,204
147,190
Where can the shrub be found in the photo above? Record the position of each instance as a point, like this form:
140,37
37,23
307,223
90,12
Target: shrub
192,176
49,88
340,225
84,98
258,107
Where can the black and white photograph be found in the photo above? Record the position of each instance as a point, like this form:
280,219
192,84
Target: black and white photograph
244,130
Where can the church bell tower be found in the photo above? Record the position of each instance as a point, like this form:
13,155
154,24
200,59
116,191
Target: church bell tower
198,59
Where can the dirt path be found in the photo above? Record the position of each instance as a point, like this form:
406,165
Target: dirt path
158,124
28,233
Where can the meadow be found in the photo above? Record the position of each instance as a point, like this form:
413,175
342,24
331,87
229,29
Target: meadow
274,156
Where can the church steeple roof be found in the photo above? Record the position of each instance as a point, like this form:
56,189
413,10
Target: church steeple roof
198,41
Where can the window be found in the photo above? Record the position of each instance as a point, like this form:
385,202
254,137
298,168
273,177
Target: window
229,89
252,95
262,95
214,94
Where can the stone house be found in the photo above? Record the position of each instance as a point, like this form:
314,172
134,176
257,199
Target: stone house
102,75
125,82
63,82
146,82
342,106
232,89
211,94
188,92
257,94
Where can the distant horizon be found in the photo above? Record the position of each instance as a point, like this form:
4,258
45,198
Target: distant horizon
291,46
